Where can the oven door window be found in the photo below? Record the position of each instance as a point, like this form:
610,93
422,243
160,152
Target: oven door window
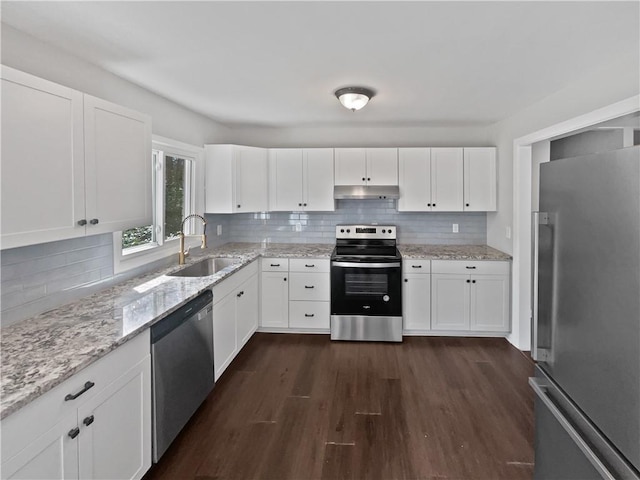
366,284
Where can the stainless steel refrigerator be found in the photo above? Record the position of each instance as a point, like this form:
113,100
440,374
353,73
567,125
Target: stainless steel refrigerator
586,318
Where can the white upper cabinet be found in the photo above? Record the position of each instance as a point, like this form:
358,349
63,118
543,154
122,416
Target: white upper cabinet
366,166
414,179
446,179
68,159
235,179
301,179
118,182
480,179
42,160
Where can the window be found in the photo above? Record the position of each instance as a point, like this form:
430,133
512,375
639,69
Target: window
174,192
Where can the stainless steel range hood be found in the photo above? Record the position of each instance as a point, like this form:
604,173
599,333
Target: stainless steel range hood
360,192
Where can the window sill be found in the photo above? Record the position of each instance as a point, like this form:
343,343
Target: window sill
145,254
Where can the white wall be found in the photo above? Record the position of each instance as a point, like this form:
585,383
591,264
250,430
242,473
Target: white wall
26,53
359,136
606,86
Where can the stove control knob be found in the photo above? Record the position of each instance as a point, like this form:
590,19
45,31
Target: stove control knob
348,231
388,231
385,298
342,230
383,230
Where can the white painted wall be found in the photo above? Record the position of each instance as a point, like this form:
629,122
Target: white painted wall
359,136
26,53
606,86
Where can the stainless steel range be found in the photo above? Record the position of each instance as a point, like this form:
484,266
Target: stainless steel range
366,288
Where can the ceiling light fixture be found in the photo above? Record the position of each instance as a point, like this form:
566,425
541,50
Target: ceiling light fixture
354,98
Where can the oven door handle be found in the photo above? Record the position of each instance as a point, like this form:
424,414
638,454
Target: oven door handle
365,265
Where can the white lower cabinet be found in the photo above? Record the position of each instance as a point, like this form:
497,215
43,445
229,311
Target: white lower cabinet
235,315
475,302
104,432
274,295
416,295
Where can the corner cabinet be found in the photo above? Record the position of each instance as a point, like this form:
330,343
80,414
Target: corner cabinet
72,164
236,179
301,179
471,296
366,166
104,431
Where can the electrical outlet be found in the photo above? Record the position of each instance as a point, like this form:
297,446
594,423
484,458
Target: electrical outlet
508,232
455,228
219,230
298,227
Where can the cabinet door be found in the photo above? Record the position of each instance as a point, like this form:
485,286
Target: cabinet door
53,456
382,166
416,301
225,345
251,180
275,300
350,166
117,166
446,179
489,303
480,179
285,175
247,310
318,180
42,182
115,427
449,302
414,179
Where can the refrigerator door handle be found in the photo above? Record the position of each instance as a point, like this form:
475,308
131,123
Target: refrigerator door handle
538,218
541,389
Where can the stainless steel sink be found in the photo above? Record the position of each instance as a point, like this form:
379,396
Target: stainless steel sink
205,268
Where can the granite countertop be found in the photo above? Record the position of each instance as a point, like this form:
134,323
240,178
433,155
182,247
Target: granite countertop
452,252
41,352
38,353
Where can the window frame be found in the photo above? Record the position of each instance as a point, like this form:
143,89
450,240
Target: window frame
141,255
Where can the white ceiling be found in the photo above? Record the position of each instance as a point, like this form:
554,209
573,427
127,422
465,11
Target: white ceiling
278,63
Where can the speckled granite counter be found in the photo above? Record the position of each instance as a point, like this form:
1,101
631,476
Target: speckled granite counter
41,352
452,252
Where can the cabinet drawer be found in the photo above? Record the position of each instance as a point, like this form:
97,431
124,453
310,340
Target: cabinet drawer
275,264
416,266
24,426
309,286
484,267
309,314
309,265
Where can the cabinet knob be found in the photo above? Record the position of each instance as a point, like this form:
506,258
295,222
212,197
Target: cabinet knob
468,281
304,204
428,204
368,179
467,204
299,204
239,205
433,205
285,279
88,421
82,222
473,281
363,179
406,280
93,221
73,433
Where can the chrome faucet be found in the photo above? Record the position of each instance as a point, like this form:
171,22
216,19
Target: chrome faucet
182,254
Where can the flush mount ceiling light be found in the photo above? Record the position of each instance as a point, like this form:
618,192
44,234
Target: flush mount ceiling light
354,98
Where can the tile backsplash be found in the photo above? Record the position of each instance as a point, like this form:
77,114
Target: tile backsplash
37,278
319,227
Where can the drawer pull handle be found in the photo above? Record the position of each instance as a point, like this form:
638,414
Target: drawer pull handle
416,266
86,387
73,433
88,421
310,266
471,268
309,314
309,286
275,264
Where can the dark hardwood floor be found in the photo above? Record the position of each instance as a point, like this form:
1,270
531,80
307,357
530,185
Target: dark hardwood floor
301,407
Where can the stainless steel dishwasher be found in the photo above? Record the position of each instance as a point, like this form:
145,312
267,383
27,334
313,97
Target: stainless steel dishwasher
182,368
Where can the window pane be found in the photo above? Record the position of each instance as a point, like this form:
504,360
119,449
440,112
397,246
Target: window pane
137,236
174,195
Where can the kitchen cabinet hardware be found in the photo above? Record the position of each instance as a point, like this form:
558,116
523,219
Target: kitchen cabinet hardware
466,204
239,205
87,386
363,179
309,315
468,281
304,204
406,280
240,294
74,432
88,420
93,221
428,204
416,266
309,286
473,281
285,279
310,266
299,204
470,268
82,222
275,264
368,179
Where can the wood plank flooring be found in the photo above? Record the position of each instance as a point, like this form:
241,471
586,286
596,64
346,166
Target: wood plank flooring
302,407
